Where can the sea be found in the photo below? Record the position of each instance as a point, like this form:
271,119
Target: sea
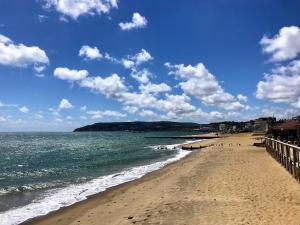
42,172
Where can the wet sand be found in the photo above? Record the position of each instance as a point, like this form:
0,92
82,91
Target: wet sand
231,182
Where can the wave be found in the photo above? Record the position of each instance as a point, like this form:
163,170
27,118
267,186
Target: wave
31,187
57,198
173,146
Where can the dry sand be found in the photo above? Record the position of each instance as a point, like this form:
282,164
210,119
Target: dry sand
233,183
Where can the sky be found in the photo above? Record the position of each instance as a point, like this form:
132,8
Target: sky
69,63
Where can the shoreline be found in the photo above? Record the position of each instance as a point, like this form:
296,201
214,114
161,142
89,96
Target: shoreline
231,182
124,176
105,194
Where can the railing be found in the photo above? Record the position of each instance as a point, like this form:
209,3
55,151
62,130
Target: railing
286,154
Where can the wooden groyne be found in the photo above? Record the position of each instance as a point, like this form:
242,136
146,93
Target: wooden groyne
286,154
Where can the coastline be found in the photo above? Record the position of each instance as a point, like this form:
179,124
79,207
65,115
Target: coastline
56,199
221,184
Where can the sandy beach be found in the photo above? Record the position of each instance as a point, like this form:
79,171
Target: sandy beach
229,182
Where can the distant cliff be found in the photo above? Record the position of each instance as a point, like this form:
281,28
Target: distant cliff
139,126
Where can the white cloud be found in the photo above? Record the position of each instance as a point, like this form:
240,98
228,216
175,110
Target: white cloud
135,60
76,8
178,104
19,55
110,58
140,100
151,97
141,76
39,69
148,113
65,104
199,82
128,63
111,86
284,45
278,112
69,117
83,108
296,104
282,85
64,73
138,21
90,53
155,88
142,57
242,98
24,109
99,114
130,109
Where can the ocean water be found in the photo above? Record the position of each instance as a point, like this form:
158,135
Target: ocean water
42,172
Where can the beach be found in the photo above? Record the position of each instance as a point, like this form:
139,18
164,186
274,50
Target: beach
229,182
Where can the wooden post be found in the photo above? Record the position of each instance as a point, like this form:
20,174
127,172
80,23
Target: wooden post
286,154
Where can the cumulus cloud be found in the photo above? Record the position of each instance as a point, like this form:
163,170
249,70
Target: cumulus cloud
131,109
138,21
282,85
24,109
284,45
132,61
111,86
199,82
65,104
151,97
142,57
128,63
242,98
155,88
90,53
20,55
142,76
147,113
64,73
77,8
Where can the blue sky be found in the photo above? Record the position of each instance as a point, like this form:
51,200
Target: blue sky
67,63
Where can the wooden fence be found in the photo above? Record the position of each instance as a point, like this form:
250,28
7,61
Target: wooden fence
286,154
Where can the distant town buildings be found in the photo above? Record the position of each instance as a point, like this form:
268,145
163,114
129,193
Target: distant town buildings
262,125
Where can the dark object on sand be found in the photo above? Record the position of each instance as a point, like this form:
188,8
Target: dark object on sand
191,148
259,144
